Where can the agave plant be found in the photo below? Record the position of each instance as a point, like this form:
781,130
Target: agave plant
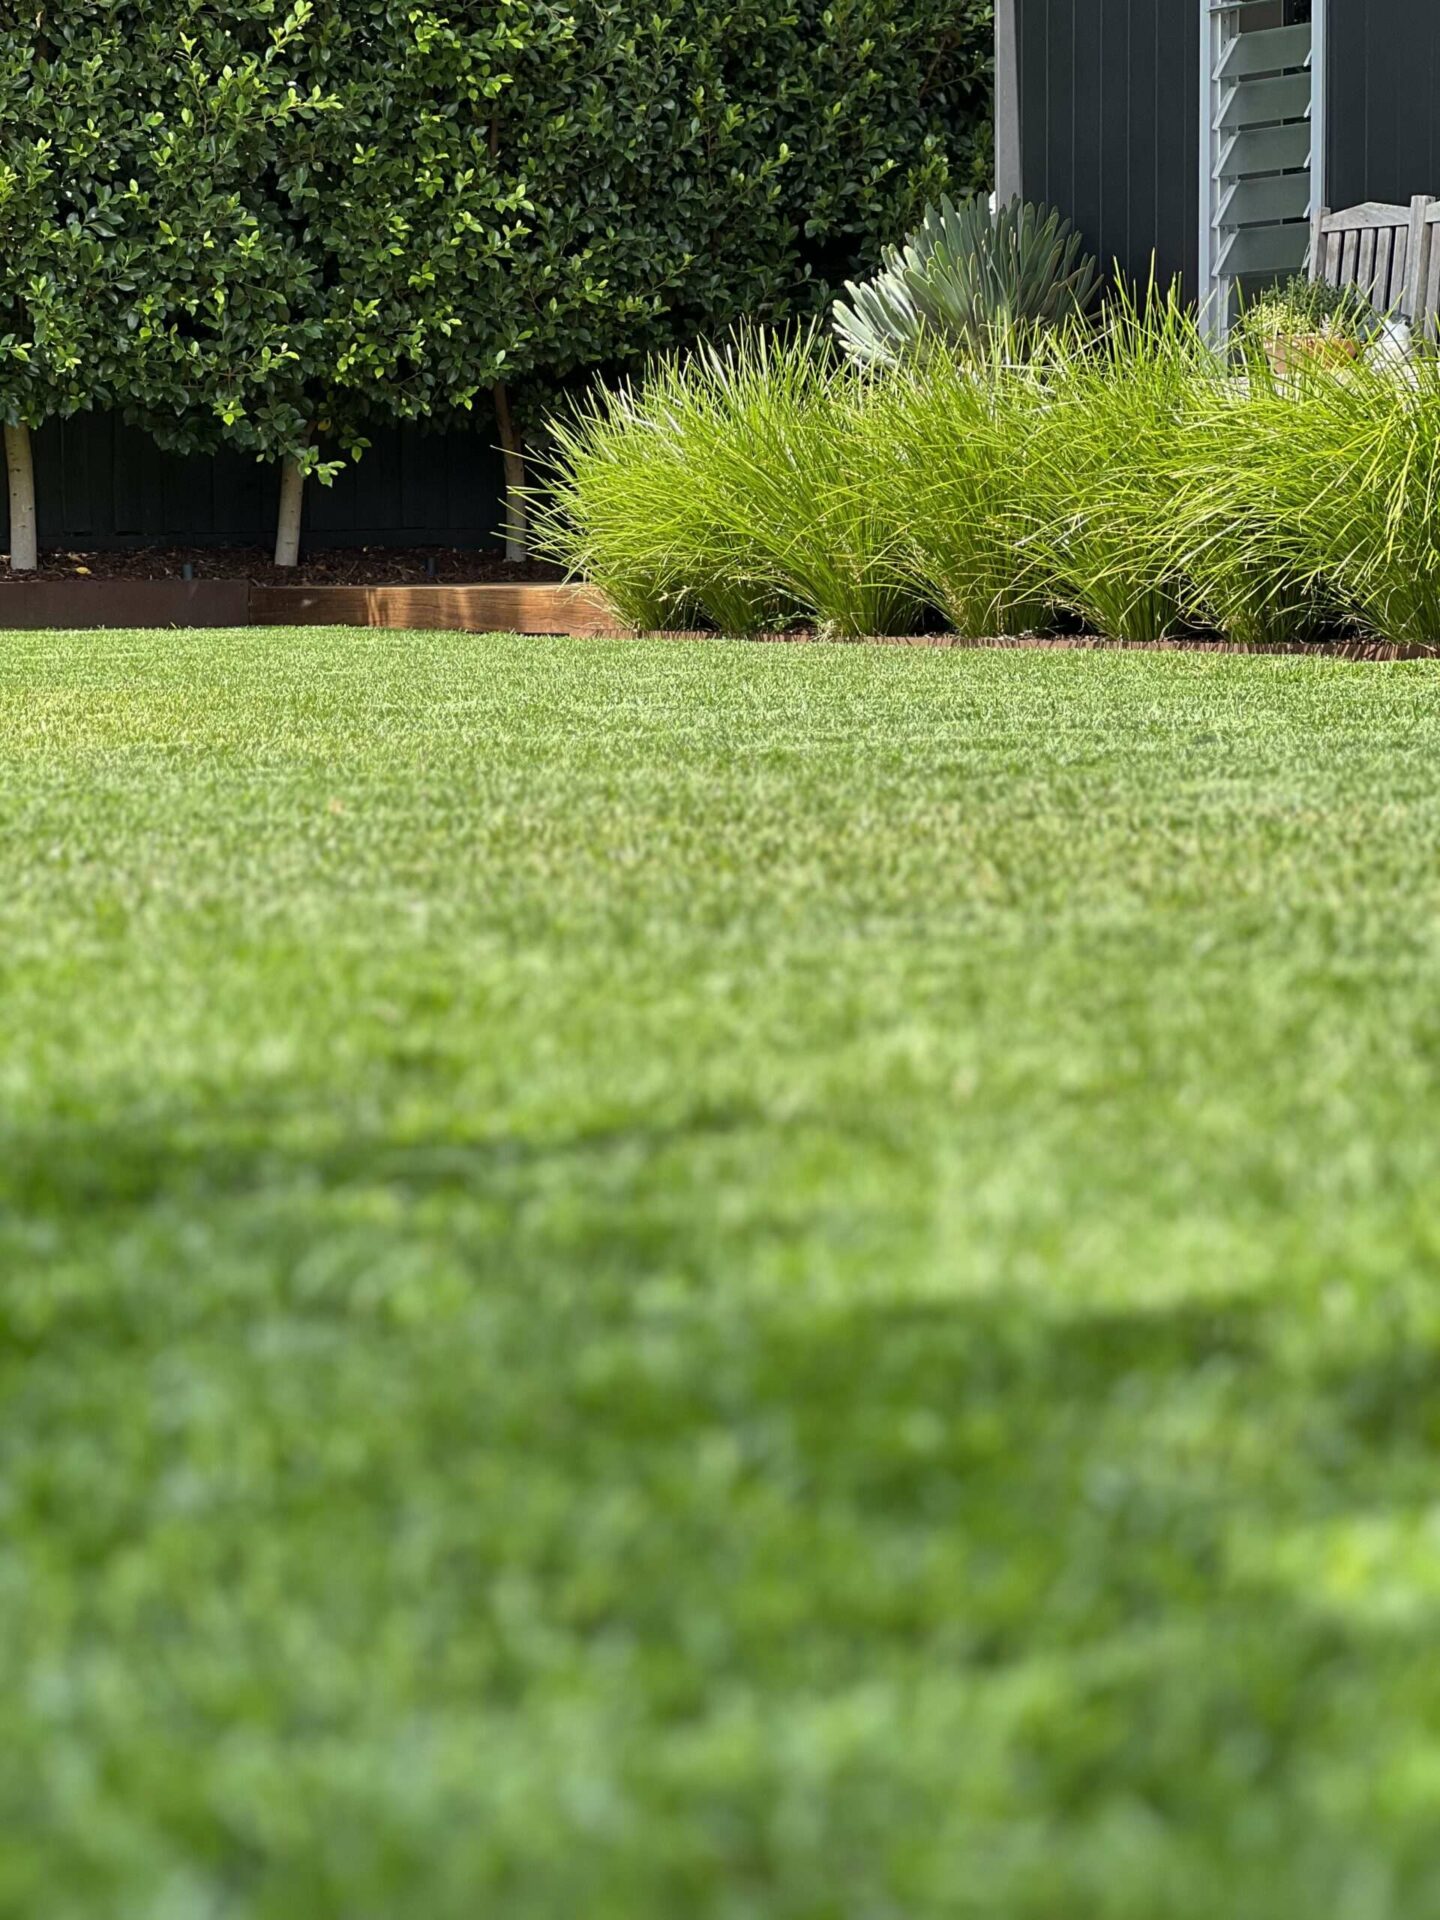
965,276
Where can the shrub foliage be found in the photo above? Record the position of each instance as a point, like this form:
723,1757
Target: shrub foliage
270,224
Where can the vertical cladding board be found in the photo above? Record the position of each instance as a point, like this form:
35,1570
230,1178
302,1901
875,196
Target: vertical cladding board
102,484
1382,127
1109,127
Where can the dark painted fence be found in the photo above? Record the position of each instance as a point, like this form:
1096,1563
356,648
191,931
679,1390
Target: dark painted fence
101,484
1383,138
1109,95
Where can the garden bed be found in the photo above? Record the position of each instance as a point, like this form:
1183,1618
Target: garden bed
1128,485
333,567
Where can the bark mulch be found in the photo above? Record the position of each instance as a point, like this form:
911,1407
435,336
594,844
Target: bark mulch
336,567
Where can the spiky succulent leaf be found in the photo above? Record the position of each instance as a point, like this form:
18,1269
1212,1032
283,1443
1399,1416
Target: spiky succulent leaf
965,275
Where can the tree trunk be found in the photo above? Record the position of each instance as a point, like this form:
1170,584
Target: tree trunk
20,470
512,449
292,503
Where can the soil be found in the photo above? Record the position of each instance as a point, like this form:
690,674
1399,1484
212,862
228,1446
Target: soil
337,567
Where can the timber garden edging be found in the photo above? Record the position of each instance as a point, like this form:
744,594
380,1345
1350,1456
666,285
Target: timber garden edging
505,608
576,611
498,608
42,603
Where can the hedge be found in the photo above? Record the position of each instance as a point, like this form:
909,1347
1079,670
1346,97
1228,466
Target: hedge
270,227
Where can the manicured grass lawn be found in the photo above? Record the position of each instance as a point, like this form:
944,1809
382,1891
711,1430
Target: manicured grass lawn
657,1282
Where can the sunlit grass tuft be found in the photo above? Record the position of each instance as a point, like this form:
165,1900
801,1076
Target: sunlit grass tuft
949,448
734,484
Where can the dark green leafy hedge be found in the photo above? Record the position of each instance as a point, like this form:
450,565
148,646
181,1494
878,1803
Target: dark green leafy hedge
268,225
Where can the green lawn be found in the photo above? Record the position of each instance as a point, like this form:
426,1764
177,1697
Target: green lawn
703,1282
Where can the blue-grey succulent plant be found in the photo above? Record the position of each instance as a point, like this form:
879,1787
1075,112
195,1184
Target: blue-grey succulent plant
965,276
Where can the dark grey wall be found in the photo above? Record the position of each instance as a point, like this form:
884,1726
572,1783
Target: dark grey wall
1383,135
1108,94
1109,124
102,484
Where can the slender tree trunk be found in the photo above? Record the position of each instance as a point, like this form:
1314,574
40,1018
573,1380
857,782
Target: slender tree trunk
292,505
517,546
20,471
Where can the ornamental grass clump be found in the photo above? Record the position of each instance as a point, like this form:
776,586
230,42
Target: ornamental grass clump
1317,492
789,480
1235,508
949,444
1353,460
1105,418
733,485
625,506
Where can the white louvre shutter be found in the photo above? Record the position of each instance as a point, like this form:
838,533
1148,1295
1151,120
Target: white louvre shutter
1258,147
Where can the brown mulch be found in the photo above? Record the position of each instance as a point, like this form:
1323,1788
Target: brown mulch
335,567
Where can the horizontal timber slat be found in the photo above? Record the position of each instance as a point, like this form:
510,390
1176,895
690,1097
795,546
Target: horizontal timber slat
1265,150
1374,213
1254,103
1272,50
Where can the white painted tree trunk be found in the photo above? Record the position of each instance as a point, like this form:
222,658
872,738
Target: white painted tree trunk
517,530
517,520
20,472
292,506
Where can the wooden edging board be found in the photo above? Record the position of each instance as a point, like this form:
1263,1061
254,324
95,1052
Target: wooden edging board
124,603
536,608
458,609
508,608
